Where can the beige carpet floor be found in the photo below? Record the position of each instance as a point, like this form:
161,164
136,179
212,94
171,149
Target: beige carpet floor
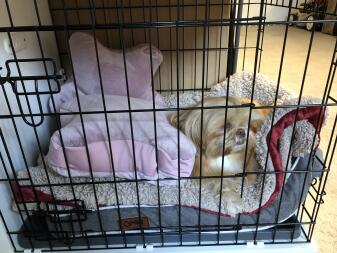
316,77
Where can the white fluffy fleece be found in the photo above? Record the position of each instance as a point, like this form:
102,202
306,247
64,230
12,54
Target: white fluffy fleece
240,85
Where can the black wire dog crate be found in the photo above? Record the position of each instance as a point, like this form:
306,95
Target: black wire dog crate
195,45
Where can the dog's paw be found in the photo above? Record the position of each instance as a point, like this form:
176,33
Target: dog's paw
233,203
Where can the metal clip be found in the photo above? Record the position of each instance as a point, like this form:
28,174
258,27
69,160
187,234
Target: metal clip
78,213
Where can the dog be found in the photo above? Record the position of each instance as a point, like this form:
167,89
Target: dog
221,146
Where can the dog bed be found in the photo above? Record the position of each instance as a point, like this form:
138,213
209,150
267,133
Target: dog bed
255,197
306,170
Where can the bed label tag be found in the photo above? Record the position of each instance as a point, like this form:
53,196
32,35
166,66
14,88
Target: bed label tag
134,222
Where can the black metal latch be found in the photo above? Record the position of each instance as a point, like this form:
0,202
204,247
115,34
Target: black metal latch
77,211
21,83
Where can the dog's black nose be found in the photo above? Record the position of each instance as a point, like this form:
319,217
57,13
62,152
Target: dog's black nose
241,133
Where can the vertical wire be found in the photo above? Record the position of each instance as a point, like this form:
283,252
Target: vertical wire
53,21
293,130
77,12
82,120
220,42
121,38
183,42
19,142
93,20
155,127
315,131
178,122
311,214
106,22
335,10
144,19
237,35
246,35
310,222
29,108
275,103
58,120
331,75
195,46
171,48
27,169
230,55
321,187
230,60
319,124
55,34
229,64
23,155
132,33
53,102
262,39
13,191
328,86
158,45
202,113
251,98
328,172
292,136
7,230
207,52
296,5
294,127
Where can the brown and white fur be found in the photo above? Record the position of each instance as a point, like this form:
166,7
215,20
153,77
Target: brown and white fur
219,157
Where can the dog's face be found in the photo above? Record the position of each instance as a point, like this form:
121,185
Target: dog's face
224,133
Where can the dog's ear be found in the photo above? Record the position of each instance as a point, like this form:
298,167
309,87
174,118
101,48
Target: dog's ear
255,125
189,124
174,119
183,115
192,125
257,119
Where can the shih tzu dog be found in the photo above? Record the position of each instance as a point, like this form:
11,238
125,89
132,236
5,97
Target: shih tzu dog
223,147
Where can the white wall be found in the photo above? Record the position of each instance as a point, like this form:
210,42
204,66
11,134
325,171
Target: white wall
273,13
23,13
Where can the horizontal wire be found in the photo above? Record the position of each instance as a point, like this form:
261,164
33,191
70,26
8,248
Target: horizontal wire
206,228
172,6
164,24
170,109
169,179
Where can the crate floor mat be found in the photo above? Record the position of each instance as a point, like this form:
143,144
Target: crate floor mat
110,219
277,140
288,230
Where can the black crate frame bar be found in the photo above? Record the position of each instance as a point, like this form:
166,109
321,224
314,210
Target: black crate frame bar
234,23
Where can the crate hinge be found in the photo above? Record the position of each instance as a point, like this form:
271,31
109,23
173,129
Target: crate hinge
252,244
32,251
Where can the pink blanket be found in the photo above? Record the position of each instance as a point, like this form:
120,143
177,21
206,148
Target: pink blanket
94,151
126,158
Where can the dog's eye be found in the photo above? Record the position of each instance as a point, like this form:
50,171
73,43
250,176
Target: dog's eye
240,136
227,151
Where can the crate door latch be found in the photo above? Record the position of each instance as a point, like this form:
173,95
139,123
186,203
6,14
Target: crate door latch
25,86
